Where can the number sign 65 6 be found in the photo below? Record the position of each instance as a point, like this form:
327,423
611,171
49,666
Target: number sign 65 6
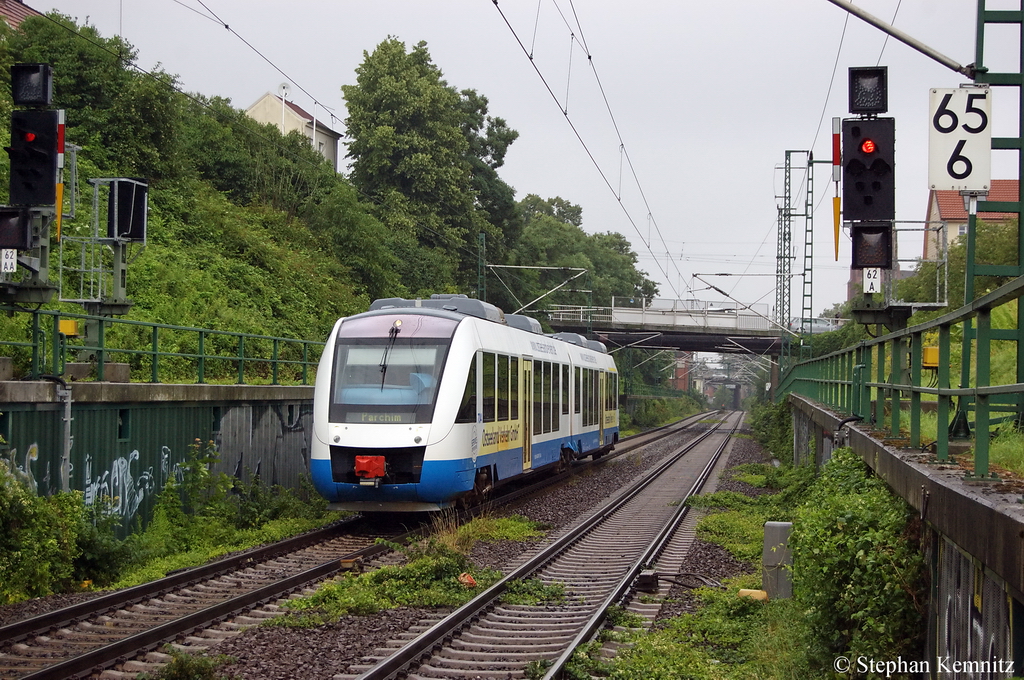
960,139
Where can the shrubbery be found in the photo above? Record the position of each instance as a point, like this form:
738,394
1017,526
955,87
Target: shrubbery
57,543
38,544
857,567
773,428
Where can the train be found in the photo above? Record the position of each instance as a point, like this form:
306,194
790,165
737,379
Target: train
425,404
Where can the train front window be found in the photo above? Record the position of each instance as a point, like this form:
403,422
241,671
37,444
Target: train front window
377,381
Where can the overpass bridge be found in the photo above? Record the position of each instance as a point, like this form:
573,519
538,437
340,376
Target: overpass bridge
689,325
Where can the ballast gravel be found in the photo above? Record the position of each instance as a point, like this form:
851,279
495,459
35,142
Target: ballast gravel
272,652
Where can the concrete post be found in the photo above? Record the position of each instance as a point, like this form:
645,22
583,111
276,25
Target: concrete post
777,561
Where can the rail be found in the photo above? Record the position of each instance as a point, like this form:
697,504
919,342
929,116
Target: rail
843,379
164,352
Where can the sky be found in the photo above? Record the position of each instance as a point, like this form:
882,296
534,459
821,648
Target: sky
667,121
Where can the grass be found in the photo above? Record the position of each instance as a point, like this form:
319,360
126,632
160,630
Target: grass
446,531
727,637
433,577
272,531
437,574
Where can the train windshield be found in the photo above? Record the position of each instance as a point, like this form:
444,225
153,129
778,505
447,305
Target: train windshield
388,378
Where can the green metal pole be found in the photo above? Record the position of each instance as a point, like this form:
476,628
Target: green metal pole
945,401
915,397
981,407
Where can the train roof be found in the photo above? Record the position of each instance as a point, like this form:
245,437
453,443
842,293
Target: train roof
467,306
450,303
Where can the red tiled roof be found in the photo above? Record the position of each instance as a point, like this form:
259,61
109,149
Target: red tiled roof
951,204
305,115
15,11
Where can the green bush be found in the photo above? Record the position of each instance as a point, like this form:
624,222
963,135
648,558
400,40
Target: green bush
773,428
856,568
39,543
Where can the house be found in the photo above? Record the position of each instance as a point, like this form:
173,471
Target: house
948,207
288,116
16,11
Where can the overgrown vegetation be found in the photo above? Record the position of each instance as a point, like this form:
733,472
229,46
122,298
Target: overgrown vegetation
857,566
58,544
650,413
857,583
185,666
237,208
773,428
431,578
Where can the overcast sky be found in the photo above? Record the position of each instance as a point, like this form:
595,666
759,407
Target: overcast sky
707,97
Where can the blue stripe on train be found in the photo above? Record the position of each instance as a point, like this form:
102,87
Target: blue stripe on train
442,480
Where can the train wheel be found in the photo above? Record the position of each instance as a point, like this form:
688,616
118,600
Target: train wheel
565,461
482,487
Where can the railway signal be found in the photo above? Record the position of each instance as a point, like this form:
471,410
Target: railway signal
34,154
869,187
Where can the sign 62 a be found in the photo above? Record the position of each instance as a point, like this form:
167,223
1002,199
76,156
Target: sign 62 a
960,139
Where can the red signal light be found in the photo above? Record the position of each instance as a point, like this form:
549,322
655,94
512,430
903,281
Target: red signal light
868,146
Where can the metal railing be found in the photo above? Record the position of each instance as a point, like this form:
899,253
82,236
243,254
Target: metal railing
165,353
667,311
874,379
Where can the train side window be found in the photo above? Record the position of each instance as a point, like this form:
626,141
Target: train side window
579,386
538,406
467,408
488,386
546,397
565,389
514,388
556,390
503,387
588,402
595,393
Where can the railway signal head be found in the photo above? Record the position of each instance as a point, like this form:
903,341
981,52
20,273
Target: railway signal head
33,153
869,89
869,186
31,84
16,229
872,245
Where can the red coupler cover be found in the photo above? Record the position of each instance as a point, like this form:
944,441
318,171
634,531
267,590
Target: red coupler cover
369,466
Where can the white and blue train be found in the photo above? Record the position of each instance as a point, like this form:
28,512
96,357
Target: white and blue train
422,404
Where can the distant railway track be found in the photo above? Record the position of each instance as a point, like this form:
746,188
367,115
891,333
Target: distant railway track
597,561
108,630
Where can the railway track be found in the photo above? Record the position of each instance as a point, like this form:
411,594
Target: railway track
597,561
204,604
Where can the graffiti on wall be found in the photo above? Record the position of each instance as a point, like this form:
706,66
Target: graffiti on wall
24,473
122,487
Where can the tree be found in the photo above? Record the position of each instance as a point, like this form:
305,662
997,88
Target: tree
552,237
128,124
488,139
409,154
996,244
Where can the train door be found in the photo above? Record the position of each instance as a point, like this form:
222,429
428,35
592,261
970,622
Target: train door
526,387
601,403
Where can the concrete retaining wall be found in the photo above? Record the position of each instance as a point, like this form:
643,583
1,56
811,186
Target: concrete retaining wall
128,439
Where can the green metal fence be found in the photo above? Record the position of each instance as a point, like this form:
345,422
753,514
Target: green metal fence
164,353
876,378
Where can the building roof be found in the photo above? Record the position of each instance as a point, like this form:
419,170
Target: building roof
951,203
305,115
16,11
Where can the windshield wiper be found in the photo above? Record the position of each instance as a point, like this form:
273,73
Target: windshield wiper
393,332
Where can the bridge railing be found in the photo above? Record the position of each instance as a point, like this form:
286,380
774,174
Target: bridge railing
164,353
875,379
670,312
